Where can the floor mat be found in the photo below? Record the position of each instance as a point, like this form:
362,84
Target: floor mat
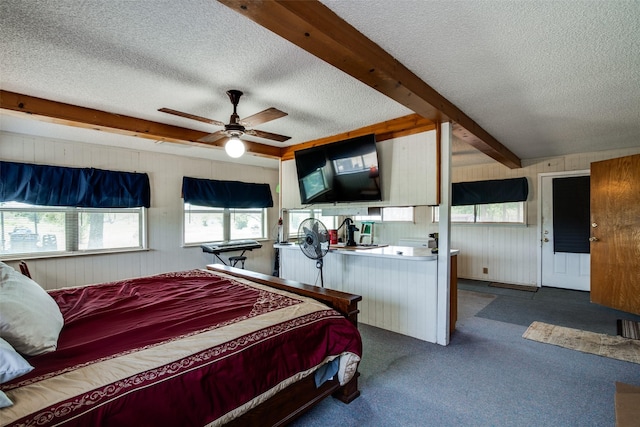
614,347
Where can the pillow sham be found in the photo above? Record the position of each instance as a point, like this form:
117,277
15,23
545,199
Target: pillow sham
30,320
12,365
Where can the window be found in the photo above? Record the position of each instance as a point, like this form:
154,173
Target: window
296,216
247,223
498,201
45,230
492,213
205,224
404,214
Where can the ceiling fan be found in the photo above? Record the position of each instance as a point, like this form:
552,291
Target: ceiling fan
236,127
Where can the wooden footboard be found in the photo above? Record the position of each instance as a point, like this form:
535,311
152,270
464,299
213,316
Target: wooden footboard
345,303
291,402
299,397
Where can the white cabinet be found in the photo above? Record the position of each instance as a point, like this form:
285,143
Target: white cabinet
408,174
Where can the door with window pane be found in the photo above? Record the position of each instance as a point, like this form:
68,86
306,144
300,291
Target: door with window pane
559,269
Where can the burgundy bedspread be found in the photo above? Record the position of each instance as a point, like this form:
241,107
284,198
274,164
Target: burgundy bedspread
173,349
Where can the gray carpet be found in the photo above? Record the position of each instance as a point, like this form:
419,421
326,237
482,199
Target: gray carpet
488,376
561,307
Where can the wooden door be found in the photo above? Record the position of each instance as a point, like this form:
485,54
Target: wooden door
615,233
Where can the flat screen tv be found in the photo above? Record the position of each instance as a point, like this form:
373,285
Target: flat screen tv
344,171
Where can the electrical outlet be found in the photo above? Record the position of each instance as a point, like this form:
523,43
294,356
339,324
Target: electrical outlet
485,270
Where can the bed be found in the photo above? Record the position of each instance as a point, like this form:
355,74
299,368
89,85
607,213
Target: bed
203,347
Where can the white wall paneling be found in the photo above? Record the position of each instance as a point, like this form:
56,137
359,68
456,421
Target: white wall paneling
164,218
408,169
510,252
289,187
408,173
397,294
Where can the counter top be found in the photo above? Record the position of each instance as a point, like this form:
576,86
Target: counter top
400,252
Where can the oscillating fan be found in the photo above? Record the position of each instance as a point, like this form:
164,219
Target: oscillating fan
314,241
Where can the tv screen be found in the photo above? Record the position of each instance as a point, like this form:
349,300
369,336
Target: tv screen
344,171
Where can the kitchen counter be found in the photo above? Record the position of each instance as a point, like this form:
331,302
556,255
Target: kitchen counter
383,251
398,284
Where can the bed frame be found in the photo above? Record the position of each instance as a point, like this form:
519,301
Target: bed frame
301,396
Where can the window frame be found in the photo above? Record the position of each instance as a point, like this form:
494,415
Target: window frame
72,221
312,213
227,214
382,217
523,207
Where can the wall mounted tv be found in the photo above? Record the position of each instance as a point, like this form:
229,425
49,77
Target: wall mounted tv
343,171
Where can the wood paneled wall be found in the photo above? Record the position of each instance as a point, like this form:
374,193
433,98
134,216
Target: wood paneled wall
164,217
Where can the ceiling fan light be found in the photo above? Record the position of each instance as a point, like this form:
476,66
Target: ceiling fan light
234,147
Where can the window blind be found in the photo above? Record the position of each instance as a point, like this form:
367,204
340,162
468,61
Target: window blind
571,214
76,187
492,191
226,194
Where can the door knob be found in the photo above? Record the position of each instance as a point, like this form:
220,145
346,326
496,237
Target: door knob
594,224
593,239
545,240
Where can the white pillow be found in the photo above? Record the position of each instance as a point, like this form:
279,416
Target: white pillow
30,320
5,402
12,365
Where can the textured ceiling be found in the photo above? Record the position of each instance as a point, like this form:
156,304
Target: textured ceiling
545,78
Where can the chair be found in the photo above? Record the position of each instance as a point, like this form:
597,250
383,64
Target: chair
24,269
233,260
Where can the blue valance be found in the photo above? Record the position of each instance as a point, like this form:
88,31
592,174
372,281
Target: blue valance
493,191
77,187
226,194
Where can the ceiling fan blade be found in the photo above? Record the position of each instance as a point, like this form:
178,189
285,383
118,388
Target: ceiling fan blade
213,137
263,117
267,135
191,116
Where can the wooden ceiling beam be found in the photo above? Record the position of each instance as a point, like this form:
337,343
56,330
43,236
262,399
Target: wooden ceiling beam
315,28
402,126
88,118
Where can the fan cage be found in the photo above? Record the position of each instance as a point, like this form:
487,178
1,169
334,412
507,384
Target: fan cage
313,238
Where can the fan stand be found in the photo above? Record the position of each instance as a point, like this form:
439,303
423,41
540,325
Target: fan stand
314,242
319,265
